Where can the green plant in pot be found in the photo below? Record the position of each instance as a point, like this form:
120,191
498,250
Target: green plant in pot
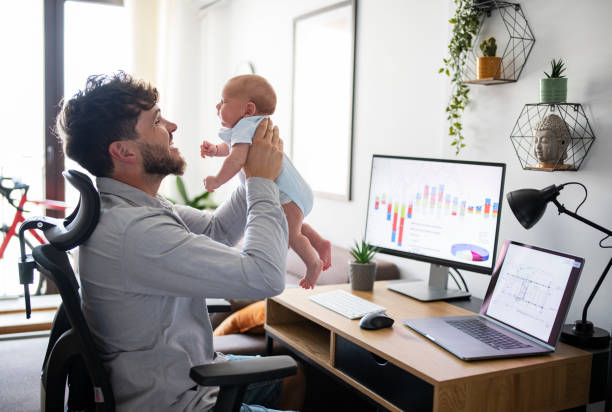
362,270
201,201
489,65
553,89
465,22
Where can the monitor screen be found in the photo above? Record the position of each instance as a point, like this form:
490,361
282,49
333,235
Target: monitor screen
445,212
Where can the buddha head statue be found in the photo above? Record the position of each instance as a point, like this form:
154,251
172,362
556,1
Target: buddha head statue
550,141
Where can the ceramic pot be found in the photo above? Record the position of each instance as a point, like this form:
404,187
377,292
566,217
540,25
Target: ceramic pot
362,275
553,90
489,67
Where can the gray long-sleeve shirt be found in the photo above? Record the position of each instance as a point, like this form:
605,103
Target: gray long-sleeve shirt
145,272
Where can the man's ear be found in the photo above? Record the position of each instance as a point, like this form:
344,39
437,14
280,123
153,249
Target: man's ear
251,109
123,151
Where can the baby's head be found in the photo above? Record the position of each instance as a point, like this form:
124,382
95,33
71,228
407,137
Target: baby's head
244,96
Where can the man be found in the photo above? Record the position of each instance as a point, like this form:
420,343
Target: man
149,264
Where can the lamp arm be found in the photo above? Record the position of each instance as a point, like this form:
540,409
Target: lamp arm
599,282
562,209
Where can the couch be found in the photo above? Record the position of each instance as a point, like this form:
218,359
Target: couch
253,341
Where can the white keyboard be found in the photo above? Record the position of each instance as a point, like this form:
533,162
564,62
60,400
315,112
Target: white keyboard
346,304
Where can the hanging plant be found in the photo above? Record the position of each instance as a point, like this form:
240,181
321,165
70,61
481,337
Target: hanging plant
465,27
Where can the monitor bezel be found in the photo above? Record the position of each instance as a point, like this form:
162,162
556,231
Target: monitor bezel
430,259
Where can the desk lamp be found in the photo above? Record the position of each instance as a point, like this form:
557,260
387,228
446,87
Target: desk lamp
528,206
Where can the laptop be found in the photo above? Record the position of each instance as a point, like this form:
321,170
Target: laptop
523,311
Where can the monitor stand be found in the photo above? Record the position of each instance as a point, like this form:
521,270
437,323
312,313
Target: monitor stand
436,289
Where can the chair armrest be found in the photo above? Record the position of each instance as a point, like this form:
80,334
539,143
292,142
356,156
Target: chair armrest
218,305
244,371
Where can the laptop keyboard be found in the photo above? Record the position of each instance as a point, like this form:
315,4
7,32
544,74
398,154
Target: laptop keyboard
479,330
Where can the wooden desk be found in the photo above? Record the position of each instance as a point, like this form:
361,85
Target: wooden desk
423,375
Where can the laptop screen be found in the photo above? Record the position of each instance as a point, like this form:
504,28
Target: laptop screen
531,290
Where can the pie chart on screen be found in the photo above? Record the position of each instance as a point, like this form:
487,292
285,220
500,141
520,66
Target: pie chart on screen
470,253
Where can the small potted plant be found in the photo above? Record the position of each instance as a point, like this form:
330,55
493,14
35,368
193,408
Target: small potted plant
553,89
201,202
362,271
489,65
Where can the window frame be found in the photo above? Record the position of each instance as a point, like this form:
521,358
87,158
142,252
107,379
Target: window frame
54,93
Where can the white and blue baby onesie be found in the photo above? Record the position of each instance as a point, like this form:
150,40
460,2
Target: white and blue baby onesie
292,186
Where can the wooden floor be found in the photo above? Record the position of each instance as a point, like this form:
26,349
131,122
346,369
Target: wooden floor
13,319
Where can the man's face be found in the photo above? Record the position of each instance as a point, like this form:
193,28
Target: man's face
232,106
159,156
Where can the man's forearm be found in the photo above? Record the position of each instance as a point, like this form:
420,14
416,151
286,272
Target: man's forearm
266,236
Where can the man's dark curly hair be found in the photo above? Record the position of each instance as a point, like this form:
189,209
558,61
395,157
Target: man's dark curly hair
106,111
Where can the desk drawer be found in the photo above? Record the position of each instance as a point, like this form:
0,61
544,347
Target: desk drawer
399,387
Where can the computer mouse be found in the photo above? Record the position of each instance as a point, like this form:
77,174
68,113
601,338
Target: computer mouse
375,320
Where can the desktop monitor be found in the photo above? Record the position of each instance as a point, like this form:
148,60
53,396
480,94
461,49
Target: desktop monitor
444,212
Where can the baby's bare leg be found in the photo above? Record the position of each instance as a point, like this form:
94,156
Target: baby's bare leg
322,246
302,246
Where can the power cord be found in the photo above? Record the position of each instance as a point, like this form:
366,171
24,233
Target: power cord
462,279
585,192
581,203
455,279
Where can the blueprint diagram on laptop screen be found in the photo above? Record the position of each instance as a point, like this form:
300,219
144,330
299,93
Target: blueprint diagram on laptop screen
529,290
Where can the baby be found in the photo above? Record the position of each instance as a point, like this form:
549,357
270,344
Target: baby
245,101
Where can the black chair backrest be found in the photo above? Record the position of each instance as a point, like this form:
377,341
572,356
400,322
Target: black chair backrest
71,351
76,228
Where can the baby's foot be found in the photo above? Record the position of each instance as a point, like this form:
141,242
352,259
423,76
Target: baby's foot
324,250
312,275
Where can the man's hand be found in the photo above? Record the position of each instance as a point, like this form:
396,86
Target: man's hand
265,158
208,149
210,183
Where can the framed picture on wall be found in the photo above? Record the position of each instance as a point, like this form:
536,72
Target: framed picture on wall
323,88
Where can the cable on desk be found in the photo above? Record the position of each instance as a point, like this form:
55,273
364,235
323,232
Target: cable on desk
455,279
462,279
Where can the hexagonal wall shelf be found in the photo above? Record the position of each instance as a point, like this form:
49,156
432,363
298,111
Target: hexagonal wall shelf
518,46
530,119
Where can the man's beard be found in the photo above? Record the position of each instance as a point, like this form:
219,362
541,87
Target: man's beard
157,160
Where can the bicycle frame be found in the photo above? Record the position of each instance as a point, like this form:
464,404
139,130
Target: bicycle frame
18,218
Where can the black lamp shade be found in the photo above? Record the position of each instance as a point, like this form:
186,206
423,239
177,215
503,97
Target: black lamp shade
528,205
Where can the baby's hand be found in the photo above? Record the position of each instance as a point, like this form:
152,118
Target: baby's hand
210,183
208,149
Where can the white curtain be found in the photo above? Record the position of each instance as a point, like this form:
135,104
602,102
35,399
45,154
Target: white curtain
168,53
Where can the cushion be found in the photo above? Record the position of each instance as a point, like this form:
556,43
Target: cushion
247,320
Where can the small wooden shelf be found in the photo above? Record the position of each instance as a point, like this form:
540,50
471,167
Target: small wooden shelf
489,81
553,168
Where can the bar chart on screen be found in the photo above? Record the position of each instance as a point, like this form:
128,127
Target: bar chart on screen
436,210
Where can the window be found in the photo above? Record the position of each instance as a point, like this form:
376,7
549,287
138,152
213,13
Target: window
97,40
22,113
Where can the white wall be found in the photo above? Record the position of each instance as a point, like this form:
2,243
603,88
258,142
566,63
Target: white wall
400,102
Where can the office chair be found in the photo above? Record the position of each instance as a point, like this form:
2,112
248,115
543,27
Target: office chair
71,357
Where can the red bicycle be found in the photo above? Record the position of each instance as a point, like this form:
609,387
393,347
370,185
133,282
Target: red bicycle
8,185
